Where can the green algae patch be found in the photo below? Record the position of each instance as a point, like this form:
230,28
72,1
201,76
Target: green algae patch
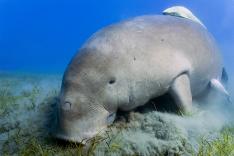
222,145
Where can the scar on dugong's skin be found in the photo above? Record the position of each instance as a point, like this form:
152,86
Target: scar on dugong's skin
125,65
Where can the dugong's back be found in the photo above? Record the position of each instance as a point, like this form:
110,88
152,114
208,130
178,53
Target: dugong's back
162,45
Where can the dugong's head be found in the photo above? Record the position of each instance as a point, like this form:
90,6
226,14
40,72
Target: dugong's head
183,12
88,98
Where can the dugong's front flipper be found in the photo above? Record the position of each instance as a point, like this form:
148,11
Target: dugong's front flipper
181,93
216,84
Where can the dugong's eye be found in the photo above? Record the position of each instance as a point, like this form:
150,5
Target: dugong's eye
66,105
112,81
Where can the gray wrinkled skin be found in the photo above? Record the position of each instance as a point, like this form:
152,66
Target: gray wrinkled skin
126,64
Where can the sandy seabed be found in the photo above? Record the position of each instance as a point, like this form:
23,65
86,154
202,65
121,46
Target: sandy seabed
28,101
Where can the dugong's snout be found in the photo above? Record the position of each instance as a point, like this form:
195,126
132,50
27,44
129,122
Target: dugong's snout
79,125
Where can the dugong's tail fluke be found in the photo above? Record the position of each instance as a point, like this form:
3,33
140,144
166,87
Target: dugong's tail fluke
180,11
224,77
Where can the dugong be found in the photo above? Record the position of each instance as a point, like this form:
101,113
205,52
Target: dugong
124,65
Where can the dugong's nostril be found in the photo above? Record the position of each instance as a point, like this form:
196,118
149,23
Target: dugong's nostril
66,105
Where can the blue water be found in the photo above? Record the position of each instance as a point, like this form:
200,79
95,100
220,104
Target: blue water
43,35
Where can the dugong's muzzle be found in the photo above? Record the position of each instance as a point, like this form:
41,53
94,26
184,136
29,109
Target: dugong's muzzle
80,126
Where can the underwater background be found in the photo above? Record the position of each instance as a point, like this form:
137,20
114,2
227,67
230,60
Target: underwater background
42,36
39,38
